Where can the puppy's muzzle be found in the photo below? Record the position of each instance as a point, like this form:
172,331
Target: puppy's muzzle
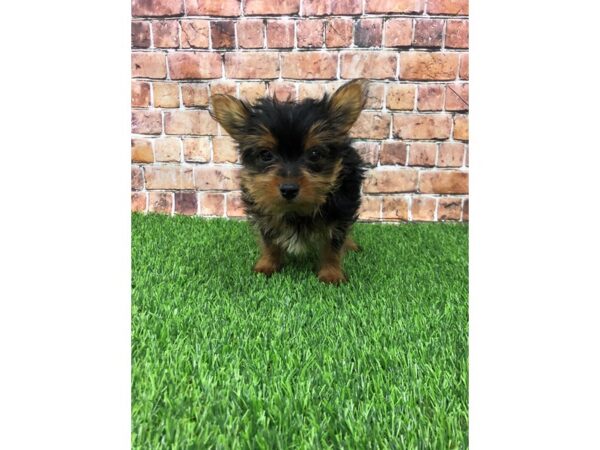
289,191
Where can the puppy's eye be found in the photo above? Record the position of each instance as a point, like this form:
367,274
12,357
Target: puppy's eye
314,155
266,156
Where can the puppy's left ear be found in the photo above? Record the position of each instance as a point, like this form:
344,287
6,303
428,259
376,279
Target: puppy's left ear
346,104
231,113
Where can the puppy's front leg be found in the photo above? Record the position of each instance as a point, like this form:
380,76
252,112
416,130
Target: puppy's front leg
331,262
270,259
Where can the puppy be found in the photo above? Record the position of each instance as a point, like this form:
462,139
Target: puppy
301,178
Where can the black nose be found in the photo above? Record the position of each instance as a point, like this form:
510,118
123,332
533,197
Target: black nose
289,191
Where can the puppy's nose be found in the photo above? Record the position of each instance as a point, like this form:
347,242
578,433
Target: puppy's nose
288,190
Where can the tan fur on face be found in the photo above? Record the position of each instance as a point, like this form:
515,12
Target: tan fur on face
264,190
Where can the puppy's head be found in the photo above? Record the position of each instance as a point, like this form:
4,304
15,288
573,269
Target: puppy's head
291,152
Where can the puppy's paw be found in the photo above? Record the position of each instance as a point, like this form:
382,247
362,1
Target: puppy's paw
332,276
352,246
266,266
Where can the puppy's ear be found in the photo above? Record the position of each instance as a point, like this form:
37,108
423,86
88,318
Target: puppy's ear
346,104
231,113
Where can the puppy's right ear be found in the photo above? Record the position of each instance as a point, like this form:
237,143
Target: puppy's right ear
231,113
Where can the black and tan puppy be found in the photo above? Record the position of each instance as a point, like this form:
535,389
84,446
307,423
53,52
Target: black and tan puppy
301,177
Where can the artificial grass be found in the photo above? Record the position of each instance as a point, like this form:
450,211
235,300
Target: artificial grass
225,358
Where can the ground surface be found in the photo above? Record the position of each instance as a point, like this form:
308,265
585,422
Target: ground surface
223,357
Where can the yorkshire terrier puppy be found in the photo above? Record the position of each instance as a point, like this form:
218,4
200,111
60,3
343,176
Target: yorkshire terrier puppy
301,177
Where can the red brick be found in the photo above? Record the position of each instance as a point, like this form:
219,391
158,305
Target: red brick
338,32
309,65
310,90
428,66
165,34
140,94
444,182
422,154
461,128
235,206
393,152
465,208
422,126
375,94
160,202
220,178
457,34
156,8
140,34
137,179
431,98
309,32
168,177
196,149
457,97
395,208
190,65
449,208
212,204
250,33
428,33
148,65
186,203
332,86
466,155
194,94
139,201
222,33
393,6
167,150
141,151
401,97
370,208
194,33
280,34
423,208
331,7
368,151
375,65
371,125
223,87
253,90
146,122
270,7
282,90
448,7
463,72
368,33
194,122
225,8
391,180
166,95
398,32
224,150
252,65
451,154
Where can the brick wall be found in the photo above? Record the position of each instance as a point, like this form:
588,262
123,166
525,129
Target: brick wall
413,134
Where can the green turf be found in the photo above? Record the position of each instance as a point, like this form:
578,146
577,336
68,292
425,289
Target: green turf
225,358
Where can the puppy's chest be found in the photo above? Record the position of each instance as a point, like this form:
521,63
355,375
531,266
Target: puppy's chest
294,234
